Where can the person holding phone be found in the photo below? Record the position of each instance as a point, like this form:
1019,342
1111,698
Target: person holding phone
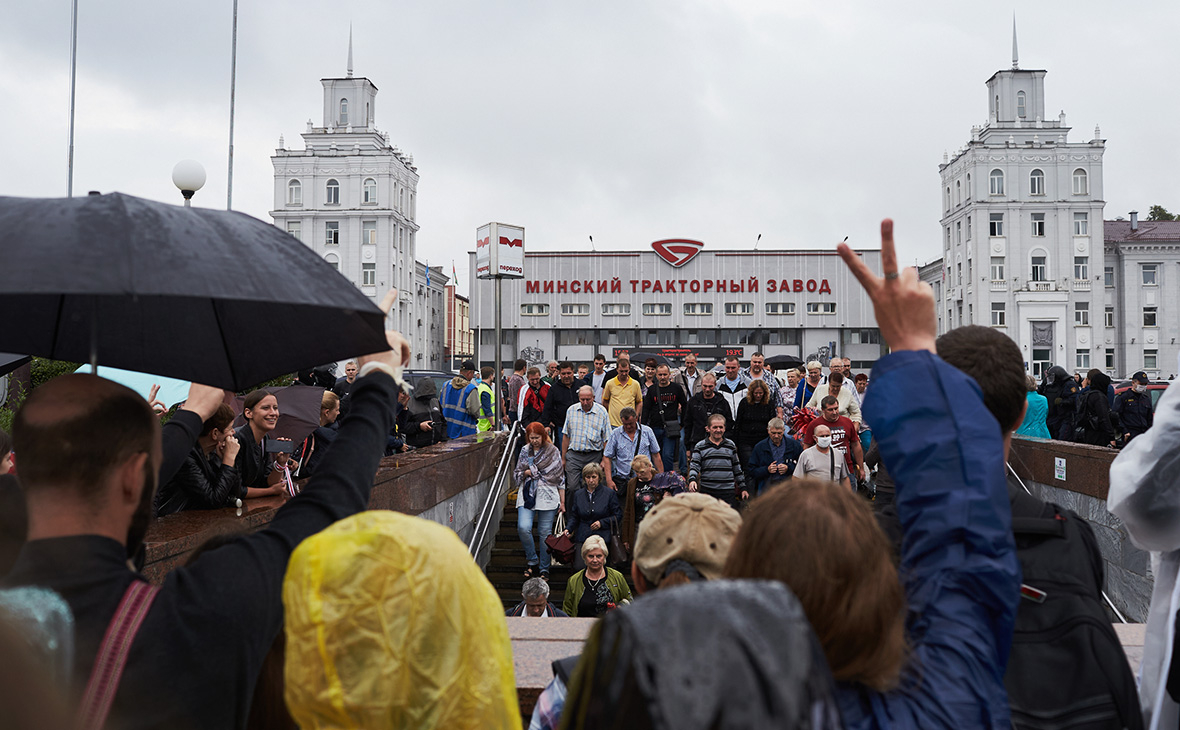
261,479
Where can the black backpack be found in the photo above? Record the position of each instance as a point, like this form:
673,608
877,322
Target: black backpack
1067,668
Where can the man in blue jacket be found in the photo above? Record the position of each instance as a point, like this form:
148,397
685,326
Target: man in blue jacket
774,458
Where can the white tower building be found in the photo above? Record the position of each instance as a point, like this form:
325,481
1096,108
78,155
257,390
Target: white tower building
351,197
1023,230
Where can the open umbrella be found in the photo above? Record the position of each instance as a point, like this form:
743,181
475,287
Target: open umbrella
172,391
10,361
783,361
639,357
299,411
210,296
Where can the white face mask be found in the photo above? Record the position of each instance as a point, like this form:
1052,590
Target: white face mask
823,441
1139,388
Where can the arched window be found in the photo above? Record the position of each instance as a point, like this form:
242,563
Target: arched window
948,197
1020,107
332,193
370,191
294,193
1036,182
344,112
1081,182
996,182
958,192
997,107
333,260
968,186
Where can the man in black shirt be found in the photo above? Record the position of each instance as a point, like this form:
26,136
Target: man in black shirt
90,454
562,395
700,407
663,407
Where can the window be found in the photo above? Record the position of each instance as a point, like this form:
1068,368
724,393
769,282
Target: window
1150,360
864,337
1038,224
488,337
996,182
368,274
331,232
995,222
698,308
295,228
575,337
369,232
740,308
781,337
1081,182
739,337
999,314
1110,358
1081,314
1149,272
1036,183
997,268
1083,360
1081,224
370,192
1108,316
968,228
970,313
618,337
333,261
294,193
575,310
948,197
958,192
658,309
1149,316
958,231
968,198
657,337
948,238
616,310
780,307
332,193
344,112
1039,269
821,307
1081,267
532,310
959,272
1020,106
1108,277
698,337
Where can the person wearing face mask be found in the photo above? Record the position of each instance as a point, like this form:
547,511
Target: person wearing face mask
1134,407
824,461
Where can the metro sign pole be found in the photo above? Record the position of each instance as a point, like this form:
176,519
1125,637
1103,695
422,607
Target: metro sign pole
499,255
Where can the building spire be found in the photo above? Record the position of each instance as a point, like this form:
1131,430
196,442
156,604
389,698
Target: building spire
1015,55
351,46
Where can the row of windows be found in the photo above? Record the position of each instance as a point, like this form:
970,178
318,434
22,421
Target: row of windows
1036,185
1081,226
1039,270
679,337
1081,315
332,232
662,309
332,193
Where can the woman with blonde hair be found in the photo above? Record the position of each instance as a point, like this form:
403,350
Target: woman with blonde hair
314,446
596,589
753,413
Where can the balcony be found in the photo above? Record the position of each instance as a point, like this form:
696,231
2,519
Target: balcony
999,285
1081,284
1042,286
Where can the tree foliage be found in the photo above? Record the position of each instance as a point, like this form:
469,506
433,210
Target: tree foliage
1160,213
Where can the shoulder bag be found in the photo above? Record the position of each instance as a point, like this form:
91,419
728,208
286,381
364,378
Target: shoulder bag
561,547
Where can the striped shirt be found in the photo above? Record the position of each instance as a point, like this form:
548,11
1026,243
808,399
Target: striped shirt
715,467
587,431
621,449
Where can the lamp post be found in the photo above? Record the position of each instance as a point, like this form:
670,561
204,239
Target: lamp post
189,177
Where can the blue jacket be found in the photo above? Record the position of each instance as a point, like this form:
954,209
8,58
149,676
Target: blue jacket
958,557
761,457
454,408
1035,422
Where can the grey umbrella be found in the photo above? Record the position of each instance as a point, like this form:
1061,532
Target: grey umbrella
210,296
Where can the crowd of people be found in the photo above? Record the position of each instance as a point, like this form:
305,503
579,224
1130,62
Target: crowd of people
800,610
1084,408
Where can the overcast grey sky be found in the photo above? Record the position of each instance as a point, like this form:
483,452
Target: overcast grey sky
629,121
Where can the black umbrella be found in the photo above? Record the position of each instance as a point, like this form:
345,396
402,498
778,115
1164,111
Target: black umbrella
10,362
783,361
639,357
204,295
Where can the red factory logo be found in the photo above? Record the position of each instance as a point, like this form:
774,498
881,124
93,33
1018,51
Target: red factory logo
677,251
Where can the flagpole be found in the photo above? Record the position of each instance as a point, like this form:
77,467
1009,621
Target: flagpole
73,79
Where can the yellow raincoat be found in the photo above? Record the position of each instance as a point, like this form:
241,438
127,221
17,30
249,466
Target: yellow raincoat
390,624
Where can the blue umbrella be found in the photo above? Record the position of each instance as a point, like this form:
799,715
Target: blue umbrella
172,391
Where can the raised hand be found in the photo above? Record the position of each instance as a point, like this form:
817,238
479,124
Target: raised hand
903,305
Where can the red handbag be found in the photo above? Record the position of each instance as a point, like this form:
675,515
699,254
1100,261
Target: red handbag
561,547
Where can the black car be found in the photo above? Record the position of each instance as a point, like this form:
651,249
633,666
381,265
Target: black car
440,377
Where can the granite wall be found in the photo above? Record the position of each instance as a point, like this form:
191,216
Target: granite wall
447,483
1077,476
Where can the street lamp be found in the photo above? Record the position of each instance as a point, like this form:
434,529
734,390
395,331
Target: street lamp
189,177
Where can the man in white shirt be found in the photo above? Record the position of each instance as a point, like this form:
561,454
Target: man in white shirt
824,461
597,379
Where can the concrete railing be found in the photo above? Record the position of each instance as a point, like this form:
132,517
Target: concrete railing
446,483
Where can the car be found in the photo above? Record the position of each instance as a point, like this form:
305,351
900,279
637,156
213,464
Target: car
440,378
1156,390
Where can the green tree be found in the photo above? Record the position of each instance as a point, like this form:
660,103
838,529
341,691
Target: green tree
1160,213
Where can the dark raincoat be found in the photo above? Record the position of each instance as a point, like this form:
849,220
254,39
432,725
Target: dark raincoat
716,655
1092,423
958,559
1060,390
424,406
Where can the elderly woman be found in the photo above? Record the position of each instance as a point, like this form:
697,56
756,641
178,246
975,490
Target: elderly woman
540,480
1036,415
596,589
592,511
753,413
644,491
535,593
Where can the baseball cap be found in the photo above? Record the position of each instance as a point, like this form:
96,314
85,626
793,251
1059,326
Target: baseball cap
467,365
692,527
1141,377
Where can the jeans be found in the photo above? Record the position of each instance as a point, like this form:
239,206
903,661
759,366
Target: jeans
668,448
524,529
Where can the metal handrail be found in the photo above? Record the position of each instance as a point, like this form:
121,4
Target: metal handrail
1029,491
498,480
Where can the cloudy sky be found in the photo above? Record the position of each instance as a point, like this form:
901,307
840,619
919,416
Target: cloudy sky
630,121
